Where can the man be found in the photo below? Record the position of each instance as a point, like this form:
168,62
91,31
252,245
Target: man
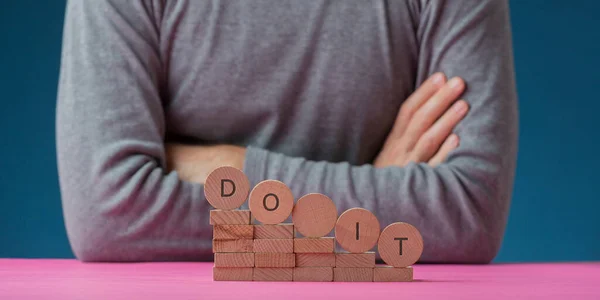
364,101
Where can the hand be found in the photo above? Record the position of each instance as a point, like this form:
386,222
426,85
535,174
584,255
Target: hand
422,131
194,163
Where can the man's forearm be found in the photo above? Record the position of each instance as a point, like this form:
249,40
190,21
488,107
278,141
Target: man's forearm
193,163
461,217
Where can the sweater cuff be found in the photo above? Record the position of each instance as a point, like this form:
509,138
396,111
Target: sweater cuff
255,165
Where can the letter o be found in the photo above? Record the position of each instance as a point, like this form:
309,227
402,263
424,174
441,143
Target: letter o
262,206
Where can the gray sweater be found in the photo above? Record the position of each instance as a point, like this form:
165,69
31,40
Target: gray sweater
312,89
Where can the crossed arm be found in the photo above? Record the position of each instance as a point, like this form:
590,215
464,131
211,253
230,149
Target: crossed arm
121,204
422,133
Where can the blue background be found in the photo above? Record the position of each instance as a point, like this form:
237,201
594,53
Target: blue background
554,213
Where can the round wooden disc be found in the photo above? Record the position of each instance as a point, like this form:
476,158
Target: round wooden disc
397,234
357,230
271,202
226,188
314,215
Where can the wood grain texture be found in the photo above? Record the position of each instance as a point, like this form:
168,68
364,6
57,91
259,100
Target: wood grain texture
277,231
234,260
271,202
314,245
230,217
353,240
323,274
232,274
353,274
314,215
274,260
391,274
274,245
355,260
233,232
233,246
400,245
226,188
315,259
273,274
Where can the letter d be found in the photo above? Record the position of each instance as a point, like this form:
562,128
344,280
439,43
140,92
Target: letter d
223,188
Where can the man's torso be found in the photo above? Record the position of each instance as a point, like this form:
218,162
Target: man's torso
318,79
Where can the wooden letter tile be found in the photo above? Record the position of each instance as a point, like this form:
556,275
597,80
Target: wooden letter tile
353,274
273,274
391,274
245,245
229,217
274,245
315,260
357,230
355,260
400,245
232,274
314,245
271,202
279,231
274,260
226,188
233,232
313,274
314,215
234,260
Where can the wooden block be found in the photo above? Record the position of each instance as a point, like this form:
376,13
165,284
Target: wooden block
234,260
274,245
233,232
391,274
353,274
229,217
226,188
355,260
313,274
274,260
400,245
271,202
314,215
232,274
314,245
357,230
315,259
273,274
278,231
232,246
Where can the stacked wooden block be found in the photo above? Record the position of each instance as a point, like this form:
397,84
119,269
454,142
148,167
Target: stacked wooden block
254,244
314,216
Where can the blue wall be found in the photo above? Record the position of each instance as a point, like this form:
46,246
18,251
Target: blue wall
554,214
31,223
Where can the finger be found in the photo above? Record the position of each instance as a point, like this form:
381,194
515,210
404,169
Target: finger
432,110
415,100
449,144
431,140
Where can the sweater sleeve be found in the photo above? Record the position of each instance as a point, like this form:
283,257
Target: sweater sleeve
460,206
119,203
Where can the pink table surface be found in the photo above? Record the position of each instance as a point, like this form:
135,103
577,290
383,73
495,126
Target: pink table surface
70,279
